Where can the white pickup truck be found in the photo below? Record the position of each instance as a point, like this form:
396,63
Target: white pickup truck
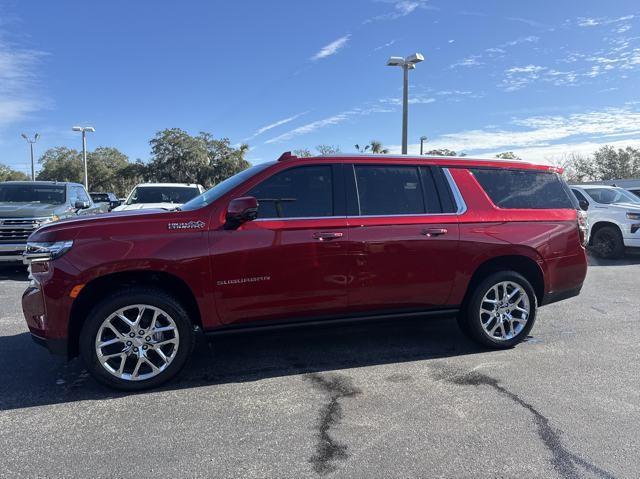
613,218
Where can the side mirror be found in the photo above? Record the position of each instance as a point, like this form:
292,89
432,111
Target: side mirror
241,210
81,205
584,205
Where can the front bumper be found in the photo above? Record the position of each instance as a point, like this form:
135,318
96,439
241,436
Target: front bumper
12,253
55,346
35,314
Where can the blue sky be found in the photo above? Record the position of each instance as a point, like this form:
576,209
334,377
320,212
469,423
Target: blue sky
541,78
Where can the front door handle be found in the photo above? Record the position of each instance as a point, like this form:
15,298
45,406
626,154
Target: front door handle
327,235
430,232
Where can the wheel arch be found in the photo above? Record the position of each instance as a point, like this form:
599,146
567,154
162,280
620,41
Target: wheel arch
521,264
598,225
95,290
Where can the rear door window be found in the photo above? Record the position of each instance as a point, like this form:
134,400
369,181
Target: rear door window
389,190
524,188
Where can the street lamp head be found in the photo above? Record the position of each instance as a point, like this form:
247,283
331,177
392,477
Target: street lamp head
24,136
415,58
395,62
423,138
37,135
84,128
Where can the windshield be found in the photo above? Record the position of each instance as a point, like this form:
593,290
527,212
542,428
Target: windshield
224,187
609,196
99,197
162,194
21,193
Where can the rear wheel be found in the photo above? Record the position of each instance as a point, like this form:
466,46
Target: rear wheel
501,310
136,339
607,243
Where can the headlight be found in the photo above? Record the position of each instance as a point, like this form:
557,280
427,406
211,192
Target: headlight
633,216
50,219
46,251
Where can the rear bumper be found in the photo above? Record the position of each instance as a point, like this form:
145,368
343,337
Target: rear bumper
556,296
12,253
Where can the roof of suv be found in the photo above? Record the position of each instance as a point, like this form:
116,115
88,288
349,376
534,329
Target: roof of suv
183,185
61,183
452,161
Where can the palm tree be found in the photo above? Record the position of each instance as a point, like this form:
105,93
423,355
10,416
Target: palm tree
374,146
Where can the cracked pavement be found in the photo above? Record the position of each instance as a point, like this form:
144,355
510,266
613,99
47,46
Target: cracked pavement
400,398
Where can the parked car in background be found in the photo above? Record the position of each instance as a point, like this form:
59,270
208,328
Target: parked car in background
613,218
632,185
108,199
27,205
308,240
166,196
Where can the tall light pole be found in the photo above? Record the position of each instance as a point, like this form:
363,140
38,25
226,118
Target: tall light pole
84,130
31,141
422,140
408,63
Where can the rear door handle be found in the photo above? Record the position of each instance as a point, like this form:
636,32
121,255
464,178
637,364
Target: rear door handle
327,235
430,232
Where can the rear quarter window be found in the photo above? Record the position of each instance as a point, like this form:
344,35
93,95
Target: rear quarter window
524,189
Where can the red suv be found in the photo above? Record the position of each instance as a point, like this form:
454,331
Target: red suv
307,240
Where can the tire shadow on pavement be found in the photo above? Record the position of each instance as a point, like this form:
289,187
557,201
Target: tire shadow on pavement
32,377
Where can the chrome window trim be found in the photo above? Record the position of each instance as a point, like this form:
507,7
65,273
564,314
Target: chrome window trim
301,218
457,196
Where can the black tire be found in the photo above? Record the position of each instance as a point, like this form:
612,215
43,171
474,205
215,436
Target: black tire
133,296
470,321
607,243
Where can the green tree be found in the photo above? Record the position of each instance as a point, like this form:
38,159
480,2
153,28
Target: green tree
9,174
508,155
612,164
442,152
303,153
182,158
325,150
105,168
374,147
61,164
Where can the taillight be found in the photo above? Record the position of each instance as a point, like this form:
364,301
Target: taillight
583,228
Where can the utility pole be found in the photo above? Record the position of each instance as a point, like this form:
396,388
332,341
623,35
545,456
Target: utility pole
408,63
31,141
84,130
422,140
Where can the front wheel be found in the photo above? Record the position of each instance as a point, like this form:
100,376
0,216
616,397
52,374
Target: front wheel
136,339
501,310
608,243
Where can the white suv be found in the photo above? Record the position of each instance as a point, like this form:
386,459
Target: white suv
613,218
167,196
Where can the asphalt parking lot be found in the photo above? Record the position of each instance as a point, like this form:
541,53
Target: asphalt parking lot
403,398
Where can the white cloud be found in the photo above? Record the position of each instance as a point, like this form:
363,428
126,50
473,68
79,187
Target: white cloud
402,8
470,61
555,134
413,99
332,48
388,44
594,22
273,125
329,121
18,83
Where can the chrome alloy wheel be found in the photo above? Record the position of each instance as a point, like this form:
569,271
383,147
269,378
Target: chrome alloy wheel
137,342
504,310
